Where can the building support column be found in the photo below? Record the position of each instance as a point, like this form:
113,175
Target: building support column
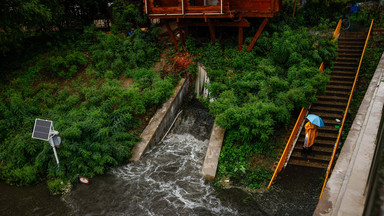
211,30
241,31
257,35
171,34
180,33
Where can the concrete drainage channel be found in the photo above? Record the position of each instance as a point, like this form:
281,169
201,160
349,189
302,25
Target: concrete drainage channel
164,118
160,122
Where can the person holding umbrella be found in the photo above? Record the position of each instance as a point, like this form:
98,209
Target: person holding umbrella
311,132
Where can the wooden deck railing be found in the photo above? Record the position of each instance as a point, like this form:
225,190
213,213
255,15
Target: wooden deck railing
346,111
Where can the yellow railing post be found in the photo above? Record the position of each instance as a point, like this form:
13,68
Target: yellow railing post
346,111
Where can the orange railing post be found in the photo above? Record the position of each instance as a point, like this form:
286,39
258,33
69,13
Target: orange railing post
337,30
346,111
289,144
294,9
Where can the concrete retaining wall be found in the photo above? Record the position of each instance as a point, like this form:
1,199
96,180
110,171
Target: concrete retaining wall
160,122
211,159
216,139
345,192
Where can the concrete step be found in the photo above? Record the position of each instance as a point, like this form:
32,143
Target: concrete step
352,35
320,161
355,42
324,114
295,162
348,58
341,83
338,88
328,129
346,79
350,51
344,68
353,55
329,109
325,150
319,141
351,46
330,103
351,74
346,63
332,98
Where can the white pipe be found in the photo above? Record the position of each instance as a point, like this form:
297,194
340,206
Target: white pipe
221,6
146,7
171,125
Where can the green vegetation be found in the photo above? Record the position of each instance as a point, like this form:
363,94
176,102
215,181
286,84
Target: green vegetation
76,85
256,93
21,19
366,13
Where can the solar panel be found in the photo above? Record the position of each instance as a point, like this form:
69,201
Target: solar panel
41,129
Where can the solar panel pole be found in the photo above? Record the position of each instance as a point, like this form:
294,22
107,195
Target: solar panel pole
51,134
43,130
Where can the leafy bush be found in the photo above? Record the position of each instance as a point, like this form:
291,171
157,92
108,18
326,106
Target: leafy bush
127,16
63,66
119,53
255,93
97,117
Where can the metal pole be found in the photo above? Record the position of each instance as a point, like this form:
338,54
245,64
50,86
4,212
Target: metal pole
146,7
221,6
54,150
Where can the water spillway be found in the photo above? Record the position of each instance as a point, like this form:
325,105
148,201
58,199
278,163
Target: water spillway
165,181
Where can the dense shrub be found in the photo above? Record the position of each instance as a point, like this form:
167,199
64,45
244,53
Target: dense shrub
97,118
255,93
119,53
63,66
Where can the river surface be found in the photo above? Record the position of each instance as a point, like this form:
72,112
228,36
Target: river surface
167,181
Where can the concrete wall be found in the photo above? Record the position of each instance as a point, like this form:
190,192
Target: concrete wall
216,139
160,122
346,190
201,80
211,159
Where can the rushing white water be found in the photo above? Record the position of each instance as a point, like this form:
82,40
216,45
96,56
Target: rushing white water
170,175
165,181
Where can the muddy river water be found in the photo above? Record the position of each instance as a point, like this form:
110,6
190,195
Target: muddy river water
166,181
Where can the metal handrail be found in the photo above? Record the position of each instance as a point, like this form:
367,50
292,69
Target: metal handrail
346,112
289,144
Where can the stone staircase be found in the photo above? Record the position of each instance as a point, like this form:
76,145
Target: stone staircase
331,106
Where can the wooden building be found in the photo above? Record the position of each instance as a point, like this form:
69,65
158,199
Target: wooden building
213,12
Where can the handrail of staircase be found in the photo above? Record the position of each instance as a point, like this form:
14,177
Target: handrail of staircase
293,135
346,112
337,30
289,144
